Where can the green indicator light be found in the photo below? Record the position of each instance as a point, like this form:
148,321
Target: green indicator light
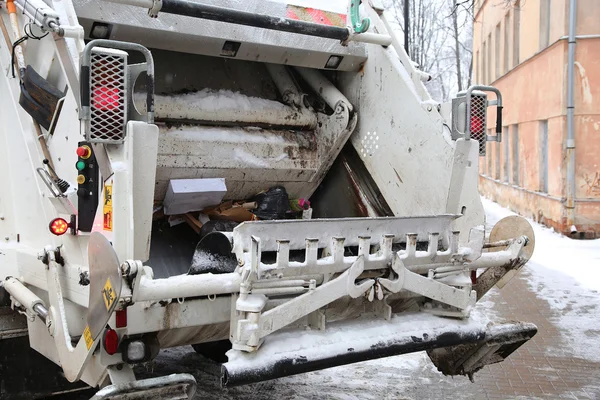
80,165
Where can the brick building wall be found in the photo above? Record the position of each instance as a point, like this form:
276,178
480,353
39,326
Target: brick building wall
521,47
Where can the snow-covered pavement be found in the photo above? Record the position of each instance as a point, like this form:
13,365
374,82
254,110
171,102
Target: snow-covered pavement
566,273
577,259
558,290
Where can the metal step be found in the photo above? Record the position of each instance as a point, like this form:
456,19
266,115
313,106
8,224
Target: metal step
289,353
171,387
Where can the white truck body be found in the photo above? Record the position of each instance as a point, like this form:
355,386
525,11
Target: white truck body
258,107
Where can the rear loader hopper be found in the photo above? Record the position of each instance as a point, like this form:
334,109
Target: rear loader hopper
271,184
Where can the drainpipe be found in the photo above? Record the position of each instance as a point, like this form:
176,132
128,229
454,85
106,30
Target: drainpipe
570,119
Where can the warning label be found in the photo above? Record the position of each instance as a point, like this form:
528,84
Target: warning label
87,336
107,208
108,294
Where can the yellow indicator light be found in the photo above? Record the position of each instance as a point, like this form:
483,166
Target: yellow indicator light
80,179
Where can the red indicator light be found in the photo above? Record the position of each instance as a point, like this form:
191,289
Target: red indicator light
106,98
476,124
84,152
121,318
59,226
111,341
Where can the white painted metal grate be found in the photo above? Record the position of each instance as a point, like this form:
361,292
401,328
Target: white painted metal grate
478,120
108,104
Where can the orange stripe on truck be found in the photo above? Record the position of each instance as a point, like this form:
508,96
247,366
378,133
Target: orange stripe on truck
316,16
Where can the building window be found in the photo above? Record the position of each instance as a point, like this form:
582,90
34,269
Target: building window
484,64
489,59
489,158
497,159
506,153
477,67
516,32
514,140
497,51
545,7
506,42
543,156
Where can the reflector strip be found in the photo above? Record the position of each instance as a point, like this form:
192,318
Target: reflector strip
316,16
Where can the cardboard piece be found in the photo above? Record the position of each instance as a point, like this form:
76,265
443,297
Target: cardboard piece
187,195
231,212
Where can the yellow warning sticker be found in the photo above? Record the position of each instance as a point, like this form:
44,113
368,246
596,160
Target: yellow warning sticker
87,336
108,294
107,208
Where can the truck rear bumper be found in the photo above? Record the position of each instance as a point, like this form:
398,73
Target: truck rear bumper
290,353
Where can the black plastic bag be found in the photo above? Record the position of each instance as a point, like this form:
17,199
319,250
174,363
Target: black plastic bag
272,204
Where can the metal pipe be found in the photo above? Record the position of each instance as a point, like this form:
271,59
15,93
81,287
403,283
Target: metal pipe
41,311
232,16
170,108
487,260
592,36
373,38
570,147
493,259
12,15
184,286
323,87
500,243
279,291
284,83
319,352
25,297
272,283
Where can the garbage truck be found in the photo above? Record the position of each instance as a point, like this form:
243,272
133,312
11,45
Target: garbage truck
269,182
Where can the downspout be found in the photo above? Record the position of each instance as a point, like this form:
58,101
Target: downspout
570,190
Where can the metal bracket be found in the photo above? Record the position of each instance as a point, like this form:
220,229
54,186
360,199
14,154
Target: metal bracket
49,182
72,359
156,6
430,288
134,71
176,386
358,25
250,330
495,274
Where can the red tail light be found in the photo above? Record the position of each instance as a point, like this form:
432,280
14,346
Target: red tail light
111,341
58,226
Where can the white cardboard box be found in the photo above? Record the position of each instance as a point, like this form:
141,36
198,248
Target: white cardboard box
186,195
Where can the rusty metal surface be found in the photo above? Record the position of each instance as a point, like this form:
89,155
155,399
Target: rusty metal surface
512,227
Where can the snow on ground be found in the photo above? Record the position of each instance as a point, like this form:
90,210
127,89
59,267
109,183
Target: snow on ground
579,259
566,273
